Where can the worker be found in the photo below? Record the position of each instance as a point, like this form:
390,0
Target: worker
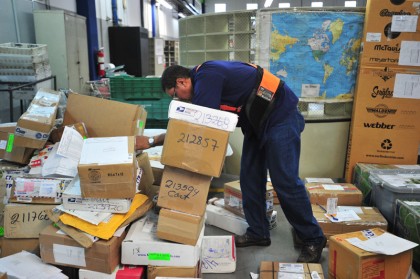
271,125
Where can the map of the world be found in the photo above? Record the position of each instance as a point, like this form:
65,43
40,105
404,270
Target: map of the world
316,53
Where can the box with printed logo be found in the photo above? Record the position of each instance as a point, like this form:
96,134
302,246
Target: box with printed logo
195,148
8,150
113,174
391,33
269,270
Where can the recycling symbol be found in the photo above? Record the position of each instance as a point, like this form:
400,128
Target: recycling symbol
386,144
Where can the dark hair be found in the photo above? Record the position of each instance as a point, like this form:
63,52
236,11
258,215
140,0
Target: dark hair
170,75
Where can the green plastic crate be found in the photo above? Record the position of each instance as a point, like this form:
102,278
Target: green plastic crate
407,225
156,109
136,88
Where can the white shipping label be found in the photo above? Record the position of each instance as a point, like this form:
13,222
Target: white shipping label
319,180
333,187
291,267
69,255
409,53
310,90
234,201
332,206
373,37
27,133
407,86
3,144
404,23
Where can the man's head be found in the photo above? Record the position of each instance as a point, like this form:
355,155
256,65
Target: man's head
176,82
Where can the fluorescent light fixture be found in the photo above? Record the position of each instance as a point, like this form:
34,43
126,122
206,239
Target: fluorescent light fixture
317,4
220,8
350,3
252,6
181,15
165,4
284,5
268,3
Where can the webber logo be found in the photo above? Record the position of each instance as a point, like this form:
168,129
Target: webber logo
386,144
379,125
381,110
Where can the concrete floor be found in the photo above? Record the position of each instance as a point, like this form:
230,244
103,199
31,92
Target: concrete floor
281,249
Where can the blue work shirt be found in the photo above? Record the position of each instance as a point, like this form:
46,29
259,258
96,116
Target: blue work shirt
230,83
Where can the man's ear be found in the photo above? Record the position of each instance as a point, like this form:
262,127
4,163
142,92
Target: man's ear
181,81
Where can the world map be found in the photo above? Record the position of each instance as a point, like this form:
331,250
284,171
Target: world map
316,53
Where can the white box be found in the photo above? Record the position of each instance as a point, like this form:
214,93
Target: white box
72,199
200,115
141,246
224,219
218,254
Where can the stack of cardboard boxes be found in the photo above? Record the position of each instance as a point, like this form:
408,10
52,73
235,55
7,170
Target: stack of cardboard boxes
385,127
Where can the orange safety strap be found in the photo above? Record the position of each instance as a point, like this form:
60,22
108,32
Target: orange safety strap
230,108
269,82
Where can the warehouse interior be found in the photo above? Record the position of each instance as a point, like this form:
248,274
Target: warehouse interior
354,66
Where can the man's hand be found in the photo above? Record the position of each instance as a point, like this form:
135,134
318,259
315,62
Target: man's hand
142,142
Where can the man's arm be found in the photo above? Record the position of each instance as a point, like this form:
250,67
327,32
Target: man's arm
142,142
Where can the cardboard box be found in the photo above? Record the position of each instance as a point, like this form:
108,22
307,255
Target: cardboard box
147,177
226,220
195,148
25,220
108,177
184,191
154,272
72,199
347,193
179,227
370,217
10,246
105,118
200,115
388,26
121,272
269,270
38,190
348,261
8,150
34,126
218,254
141,246
60,249
233,198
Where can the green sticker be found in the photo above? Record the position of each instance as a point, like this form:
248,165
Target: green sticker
10,142
159,257
141,123
84,137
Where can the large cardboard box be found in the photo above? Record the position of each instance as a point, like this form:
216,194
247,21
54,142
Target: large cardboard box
200,115
346,193
8,150
385,127
154,272
179,227
25,220
184,191
105,118
370,217
269,270
34,126
60,249
233,198
108,177
391,32
141,246
73,200
147,177
348,261
10,246
195,148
